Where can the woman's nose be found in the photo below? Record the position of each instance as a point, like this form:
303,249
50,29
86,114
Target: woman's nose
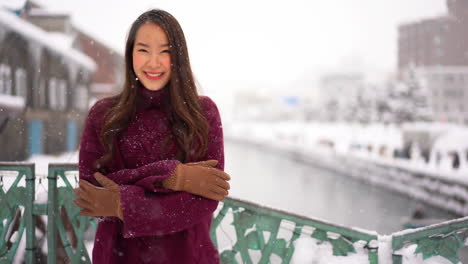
154,61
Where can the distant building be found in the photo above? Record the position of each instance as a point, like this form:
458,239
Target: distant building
339,93
43,90
107,80
109,76
50,71
434,52
447,92
440,41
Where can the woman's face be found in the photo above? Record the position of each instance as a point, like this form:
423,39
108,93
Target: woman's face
151,57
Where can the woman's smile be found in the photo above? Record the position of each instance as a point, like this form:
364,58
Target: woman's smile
154,75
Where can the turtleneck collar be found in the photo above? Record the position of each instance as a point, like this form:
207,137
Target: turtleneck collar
151,99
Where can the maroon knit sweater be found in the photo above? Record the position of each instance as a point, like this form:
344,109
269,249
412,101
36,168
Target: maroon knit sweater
159,225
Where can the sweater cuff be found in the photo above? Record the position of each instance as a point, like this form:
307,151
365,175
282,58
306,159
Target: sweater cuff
132,213
154,183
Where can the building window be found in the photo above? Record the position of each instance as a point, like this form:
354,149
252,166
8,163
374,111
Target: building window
449,78
53,93
81,99
61,94
42,93
20,82
57,94
5,79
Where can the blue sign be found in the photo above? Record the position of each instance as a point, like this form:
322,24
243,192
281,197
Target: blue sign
291,100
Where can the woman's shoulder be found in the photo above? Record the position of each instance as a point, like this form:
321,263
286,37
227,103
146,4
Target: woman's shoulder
100,108
207,103
209,108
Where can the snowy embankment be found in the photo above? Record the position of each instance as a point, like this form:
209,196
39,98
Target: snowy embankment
335,146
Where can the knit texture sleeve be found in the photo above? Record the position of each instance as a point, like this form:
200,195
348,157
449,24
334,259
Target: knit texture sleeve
215,149
150,213
91,150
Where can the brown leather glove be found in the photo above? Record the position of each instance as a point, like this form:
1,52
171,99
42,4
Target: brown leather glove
199,178
99,201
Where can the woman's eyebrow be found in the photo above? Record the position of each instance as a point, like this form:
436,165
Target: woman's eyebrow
142,44
146,45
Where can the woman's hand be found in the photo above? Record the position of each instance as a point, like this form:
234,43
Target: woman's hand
199,178
99,201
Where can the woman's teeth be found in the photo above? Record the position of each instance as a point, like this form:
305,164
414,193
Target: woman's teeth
154,74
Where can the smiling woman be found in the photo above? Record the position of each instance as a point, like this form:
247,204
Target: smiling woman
151,57
148,148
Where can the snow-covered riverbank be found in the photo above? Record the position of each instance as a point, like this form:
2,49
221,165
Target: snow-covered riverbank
330,147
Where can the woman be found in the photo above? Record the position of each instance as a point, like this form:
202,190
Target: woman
157,151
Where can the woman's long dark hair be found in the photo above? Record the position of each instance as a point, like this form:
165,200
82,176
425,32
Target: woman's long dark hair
189,126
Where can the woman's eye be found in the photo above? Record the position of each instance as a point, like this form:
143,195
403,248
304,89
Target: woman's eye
166,51
142,50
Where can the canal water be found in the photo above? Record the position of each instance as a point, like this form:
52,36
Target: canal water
269,178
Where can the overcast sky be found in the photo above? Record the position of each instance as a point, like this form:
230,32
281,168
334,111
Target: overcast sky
267,41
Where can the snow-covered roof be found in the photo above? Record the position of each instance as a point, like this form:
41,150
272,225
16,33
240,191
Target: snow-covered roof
35,33
65,39
44,12
13,5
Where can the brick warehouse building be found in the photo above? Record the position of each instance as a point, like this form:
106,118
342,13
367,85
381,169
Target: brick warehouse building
435,52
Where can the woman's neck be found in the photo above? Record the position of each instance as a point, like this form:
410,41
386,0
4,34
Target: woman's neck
151,99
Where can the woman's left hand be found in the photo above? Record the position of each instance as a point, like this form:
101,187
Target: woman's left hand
99,201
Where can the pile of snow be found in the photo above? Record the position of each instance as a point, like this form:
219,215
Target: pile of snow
11,104
311,251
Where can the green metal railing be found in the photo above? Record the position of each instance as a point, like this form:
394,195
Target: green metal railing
444,239
62,198
251,223
255,234
16,212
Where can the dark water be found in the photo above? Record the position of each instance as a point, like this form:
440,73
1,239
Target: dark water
269,178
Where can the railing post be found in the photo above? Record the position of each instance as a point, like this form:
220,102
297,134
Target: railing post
29,214
52,215
397,259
